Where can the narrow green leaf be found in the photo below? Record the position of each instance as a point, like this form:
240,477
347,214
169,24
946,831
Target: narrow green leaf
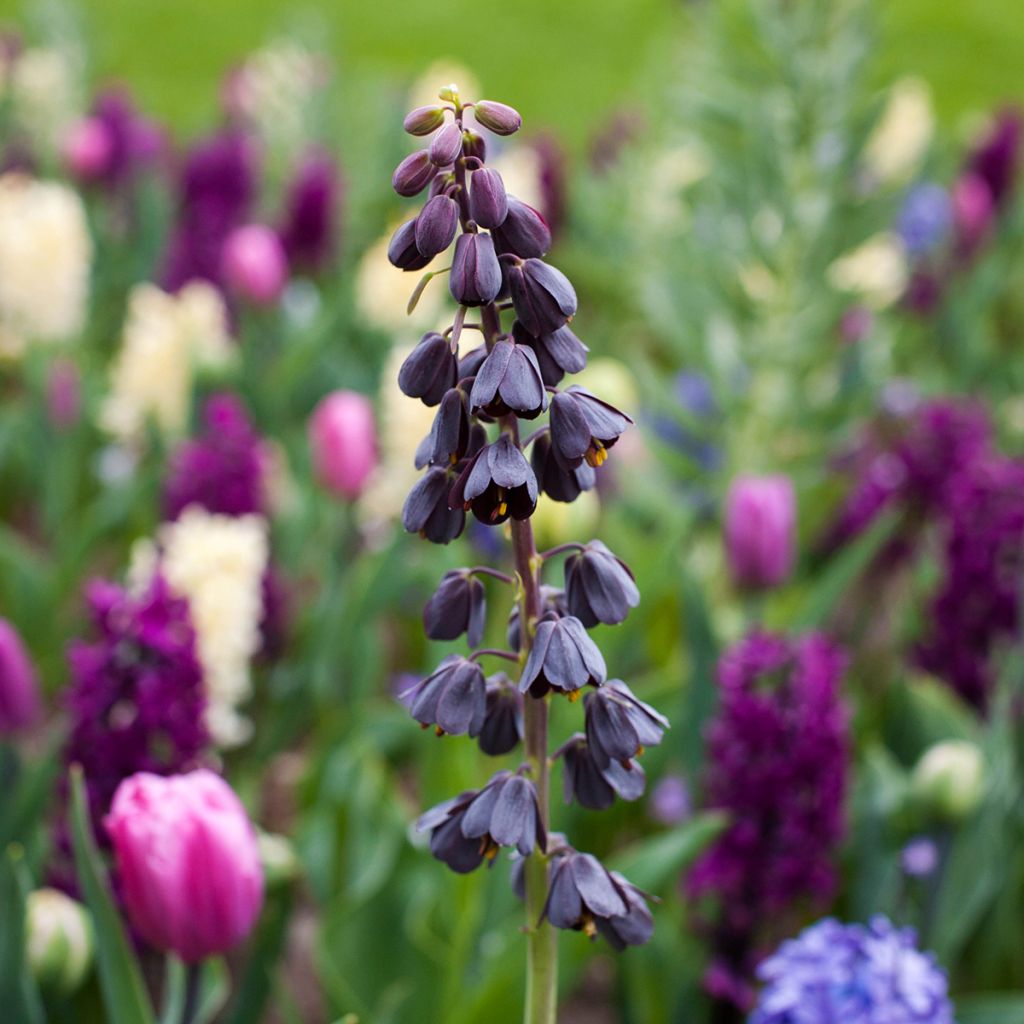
996,1008
18,992
124,994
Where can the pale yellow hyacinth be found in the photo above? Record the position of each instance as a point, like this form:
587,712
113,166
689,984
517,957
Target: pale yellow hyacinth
45,94
45,262
166,339
897,145
217,564
876,271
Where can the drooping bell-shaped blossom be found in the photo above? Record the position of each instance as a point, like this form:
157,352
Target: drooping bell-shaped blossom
343,442
254,265
19,687
309,227
760,531
188,862
223,469
777,766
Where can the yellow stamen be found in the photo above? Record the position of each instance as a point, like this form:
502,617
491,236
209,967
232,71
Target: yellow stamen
573,696
639,750
438,731
589,928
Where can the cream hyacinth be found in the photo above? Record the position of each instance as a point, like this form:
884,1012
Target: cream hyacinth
217,564
166,339
45,93
897,145
45,263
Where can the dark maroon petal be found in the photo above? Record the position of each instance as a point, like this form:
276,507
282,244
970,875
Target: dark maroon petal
595,886
476,822
513,819
490,374
570,428
507,464
488,204
446,145
563,907
523,233
413,174
422,499
448,844
463,699
436,225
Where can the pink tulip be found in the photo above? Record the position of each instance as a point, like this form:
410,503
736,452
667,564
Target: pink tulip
973,208
19,689
760,528
254,264
188,860
343,440
88,149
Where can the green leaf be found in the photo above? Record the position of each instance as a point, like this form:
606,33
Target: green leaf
996,1008
18,993
124,994
653,863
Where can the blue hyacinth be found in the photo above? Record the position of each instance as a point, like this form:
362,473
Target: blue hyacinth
926,217
853,974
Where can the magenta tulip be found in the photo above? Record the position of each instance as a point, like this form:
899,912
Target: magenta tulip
19,689
760,528
254,264
188,860
63,394
88,149
343,441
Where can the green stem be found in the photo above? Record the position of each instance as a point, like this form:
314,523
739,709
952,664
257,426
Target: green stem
193,973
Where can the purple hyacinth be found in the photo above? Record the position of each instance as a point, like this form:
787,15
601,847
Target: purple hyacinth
853,974
925,218
134,142
996,158
310,223
216,193
136,699
778,753
223,469
977,605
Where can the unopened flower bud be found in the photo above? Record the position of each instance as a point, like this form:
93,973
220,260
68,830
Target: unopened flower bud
523,232
543,296
254,264
950,778
19,689
436,225
424,120
458,606
59,940
343,442
475,277
446,146
497,117
760,527
413,174
488,204
402,250
450,433
430,370
473,144
426,510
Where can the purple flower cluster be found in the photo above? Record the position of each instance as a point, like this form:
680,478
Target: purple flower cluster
778,767
223,469
853,974
136,697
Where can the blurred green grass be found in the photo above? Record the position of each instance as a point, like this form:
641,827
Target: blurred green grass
563,62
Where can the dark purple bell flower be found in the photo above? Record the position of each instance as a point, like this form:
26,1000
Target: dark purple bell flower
488,204
523,232
430,370
426,510
497,483
583,427
473,144
436,225
593,785
506,813
618,725
552,599
450,434
599,586
475,277
453,697
557,481
509,380
499,118
413,174
636,926
457,606
543,297
558,353
581,893
402,249
446,146
503,720
447,843
470,363
563,657
309,225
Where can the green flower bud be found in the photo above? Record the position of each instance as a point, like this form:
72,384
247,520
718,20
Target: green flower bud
277,855
950,779
59,940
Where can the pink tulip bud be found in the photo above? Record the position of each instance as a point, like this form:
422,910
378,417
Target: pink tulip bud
63,394
88,149
760,528
188,861
254,264
973,208
19,689
343,440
